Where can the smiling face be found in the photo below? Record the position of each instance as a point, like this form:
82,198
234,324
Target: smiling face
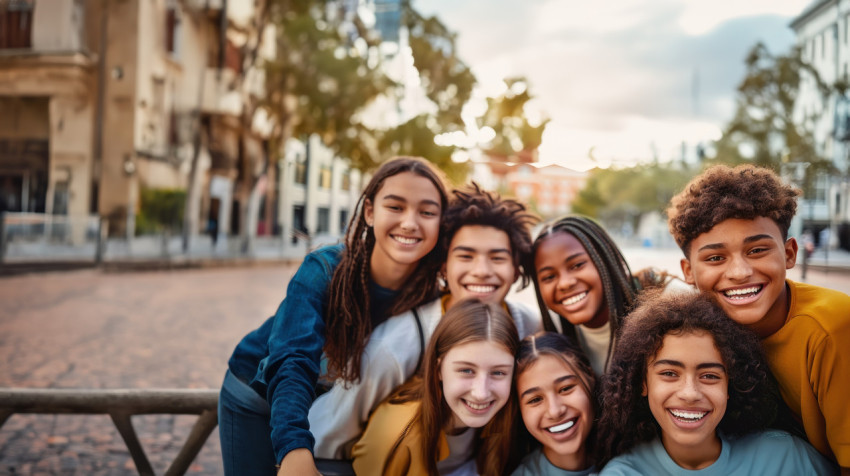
405,217
476,380
569,281
556,410
687,389
479,265
743,263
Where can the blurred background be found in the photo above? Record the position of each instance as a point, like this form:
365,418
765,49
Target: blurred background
181,128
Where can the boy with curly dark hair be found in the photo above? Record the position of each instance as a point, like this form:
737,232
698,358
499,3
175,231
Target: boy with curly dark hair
732,226
689,389
485,240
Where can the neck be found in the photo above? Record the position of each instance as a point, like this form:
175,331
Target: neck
390,275
570,462
776,315
692,457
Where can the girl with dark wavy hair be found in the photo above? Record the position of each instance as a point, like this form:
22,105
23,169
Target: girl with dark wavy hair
689,392
580,275
556,389
388,264
458,418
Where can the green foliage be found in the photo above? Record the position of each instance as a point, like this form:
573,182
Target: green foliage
617,196
160,209
763,131
516,139
415,137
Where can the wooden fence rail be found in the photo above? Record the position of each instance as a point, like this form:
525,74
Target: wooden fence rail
121,405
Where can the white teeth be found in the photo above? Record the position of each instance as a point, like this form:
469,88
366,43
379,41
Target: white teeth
480,288
405,240
477,406
688,415
743,292
562,427
574,299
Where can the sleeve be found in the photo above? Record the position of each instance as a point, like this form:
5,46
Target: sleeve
291,369
618,468
338,416
370,453
527,321
831,375
808,460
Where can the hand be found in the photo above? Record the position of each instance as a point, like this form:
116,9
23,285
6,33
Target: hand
298,462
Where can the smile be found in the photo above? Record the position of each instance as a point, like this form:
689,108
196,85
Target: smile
480,288
743,293
406,240
562,427
477,406
688,417
574,299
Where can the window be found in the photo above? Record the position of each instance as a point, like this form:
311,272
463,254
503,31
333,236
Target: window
343,220
324,220
172,30
346,180
325,177
300,170
16,23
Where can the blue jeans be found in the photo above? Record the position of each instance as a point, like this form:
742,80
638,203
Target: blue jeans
244,429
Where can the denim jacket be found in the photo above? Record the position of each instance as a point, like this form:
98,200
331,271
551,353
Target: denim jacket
281,359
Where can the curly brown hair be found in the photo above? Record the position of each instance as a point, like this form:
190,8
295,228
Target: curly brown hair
472,205
721,192
626,419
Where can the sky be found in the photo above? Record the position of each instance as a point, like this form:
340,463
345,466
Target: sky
621,81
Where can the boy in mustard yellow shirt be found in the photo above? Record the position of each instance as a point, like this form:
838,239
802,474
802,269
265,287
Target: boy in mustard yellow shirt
732,225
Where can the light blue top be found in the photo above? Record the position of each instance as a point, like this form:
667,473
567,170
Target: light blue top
771,452
536,464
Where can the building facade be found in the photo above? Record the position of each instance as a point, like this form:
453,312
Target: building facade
823,36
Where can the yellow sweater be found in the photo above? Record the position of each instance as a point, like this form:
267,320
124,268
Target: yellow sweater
810,357
372,452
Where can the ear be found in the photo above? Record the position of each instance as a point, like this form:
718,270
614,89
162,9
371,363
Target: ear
790,252
443,270
644,393
687,271
368,212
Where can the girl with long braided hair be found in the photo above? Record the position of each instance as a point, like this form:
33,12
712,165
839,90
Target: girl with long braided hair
387,265
580,275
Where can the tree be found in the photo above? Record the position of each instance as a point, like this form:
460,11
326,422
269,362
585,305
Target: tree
516,139
763,131
620,196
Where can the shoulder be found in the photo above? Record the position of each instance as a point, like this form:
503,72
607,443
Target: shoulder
645,458
780,451
527,320
825,309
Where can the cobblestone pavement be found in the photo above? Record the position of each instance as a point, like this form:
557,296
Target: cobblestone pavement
87,329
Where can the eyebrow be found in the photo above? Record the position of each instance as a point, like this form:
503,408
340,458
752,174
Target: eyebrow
676,363
749,239
568,258
470,249
402,199
557,380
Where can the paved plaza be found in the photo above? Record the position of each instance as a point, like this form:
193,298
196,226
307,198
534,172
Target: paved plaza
163,329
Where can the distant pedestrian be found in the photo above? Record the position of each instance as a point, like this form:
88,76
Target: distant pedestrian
387,265
808,241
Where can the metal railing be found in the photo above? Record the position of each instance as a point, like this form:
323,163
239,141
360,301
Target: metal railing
121,405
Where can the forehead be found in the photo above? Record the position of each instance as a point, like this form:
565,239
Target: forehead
558,246
483,353
693,347
409,186
480,237
547,368
736,230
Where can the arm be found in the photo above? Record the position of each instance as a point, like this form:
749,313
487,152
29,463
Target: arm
291,369
338,417
831,374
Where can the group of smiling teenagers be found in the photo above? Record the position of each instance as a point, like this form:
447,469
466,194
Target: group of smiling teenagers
398,352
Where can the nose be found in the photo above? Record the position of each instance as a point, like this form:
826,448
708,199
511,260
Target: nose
480,387
556,408
690,390
566,281
409,220
482,267
739,268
